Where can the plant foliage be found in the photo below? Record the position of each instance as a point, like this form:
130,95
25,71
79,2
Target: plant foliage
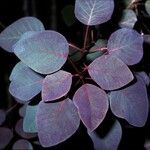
44,59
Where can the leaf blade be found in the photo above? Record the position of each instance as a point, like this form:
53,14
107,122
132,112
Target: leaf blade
110,72
13,33
124,44
110,141
92,104
93,12
131,103
44,52
56,85
25,83
56,122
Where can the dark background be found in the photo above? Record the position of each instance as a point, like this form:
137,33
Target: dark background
49,12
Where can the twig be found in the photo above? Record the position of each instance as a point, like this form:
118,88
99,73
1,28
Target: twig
77,48
85,38
11,108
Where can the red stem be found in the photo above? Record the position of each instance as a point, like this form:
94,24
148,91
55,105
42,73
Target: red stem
74,46
85,38
75,68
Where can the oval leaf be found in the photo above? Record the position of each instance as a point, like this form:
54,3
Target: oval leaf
56,85
131,103
126,44
110,141
29,119
22,145
56,122
128,19
19,130
110,72
143,76
93,12
5,137
44,52
13,33
25,83
92,104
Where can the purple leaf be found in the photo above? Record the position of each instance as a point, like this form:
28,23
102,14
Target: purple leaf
25,83
110,141
27,35
44,52
128,19
93,12
22,145
143,76
13,33
56,85
5,137
56,122
19,130
110,72
131,103
2,116
126,44
92,104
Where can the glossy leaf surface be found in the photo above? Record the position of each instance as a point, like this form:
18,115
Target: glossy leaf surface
110,72
56,85
13,33
92,104
22,145
56,122
44,52
25,83
2,116
110,141
126,44
128,19
93,12
19,130
5,137
29,124
131,103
